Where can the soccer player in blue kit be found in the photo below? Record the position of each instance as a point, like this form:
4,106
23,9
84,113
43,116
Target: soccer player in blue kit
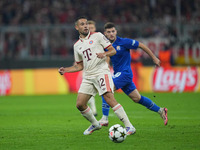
123,74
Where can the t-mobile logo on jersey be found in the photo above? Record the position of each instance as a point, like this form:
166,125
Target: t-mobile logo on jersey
87,53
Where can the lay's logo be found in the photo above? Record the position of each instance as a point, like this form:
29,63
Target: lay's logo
175,79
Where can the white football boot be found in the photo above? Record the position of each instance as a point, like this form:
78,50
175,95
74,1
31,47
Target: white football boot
130,130
163,115
91,129
103,122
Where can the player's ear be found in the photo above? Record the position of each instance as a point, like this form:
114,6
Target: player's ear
105,32
76,27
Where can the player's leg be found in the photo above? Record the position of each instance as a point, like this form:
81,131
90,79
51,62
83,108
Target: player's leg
119,81
85,110
106,89
119,111
85,92
91,102
149,104
105,110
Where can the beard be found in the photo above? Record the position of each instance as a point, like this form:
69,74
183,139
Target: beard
84,33
112,40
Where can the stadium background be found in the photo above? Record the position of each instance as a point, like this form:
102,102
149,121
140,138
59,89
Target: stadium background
37,37
38,110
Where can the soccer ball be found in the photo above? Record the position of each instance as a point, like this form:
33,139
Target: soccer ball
117,133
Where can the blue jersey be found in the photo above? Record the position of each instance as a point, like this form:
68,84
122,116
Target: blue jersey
122,60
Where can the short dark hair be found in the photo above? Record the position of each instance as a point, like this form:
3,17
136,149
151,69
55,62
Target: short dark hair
109,25
81,17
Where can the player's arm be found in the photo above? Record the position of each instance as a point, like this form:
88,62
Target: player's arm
75,68
150,53
111,51
108,61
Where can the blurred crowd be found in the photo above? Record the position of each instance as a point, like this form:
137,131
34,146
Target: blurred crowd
59,41
17,12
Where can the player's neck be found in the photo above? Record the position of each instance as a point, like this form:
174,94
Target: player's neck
83,35
112,41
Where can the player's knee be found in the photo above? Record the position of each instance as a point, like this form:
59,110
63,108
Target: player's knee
136,99
110,100
135,96
79,106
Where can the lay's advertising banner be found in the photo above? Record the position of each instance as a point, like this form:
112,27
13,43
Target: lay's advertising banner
175,79
49,81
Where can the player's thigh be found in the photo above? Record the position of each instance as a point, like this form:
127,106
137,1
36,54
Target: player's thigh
129,87
121,79
86,90
104,83
135,95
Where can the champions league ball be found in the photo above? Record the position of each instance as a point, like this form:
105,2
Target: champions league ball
117,133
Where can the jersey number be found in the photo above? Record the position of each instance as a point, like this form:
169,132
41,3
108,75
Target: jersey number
101,82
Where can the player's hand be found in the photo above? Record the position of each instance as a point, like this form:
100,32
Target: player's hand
101,55
61,70
156,62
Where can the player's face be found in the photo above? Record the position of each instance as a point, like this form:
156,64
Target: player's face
111,34
82,27
92,28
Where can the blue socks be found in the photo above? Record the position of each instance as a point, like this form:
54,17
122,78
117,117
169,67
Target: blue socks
149,104
105,107
143,101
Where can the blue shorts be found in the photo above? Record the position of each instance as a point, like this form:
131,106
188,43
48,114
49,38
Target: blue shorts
123,80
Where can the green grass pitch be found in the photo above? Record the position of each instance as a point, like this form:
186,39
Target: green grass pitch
52,122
